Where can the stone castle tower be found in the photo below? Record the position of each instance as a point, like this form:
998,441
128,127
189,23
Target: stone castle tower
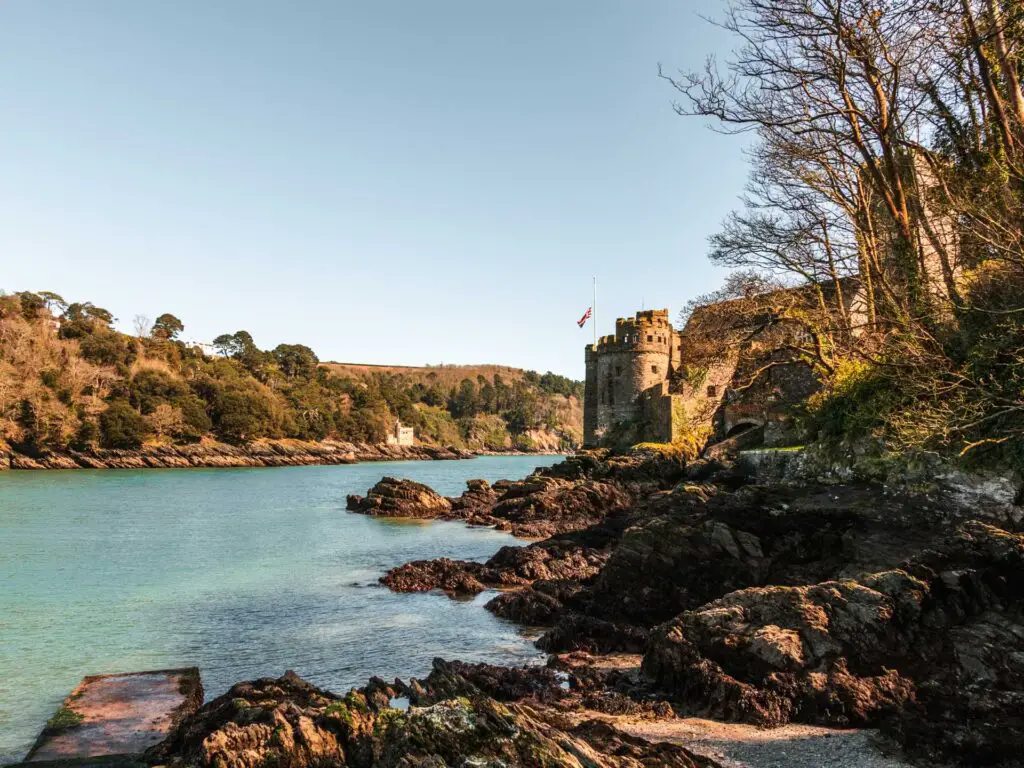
628,377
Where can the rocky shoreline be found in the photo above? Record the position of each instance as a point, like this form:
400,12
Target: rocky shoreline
261,453
679,603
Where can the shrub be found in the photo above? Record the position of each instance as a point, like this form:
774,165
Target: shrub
105,347
856,402
152,387
245,413
85,435
197,420
486,431
121,426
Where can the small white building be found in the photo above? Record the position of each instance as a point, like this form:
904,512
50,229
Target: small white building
400,435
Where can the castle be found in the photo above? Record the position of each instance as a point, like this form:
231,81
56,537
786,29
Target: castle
651,383
628,377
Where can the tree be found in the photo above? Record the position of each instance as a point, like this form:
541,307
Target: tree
83,318
151,387
85,435
54,302
122,427
830,87
142,326
890,146
244,410
197,420
167,327
237,345
166,420
464,401
295,360
31,304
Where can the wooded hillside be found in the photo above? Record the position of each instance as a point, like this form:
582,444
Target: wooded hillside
69,380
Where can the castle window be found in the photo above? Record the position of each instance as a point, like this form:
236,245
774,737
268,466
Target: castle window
618,370
650,337
712,390
654,369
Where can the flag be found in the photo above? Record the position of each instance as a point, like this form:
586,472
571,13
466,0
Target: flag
586,316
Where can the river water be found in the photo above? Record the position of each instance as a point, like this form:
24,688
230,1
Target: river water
242,572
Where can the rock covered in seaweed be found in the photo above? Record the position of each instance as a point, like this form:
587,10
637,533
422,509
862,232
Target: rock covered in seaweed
456,577
476,501
543,506
558,558
289,723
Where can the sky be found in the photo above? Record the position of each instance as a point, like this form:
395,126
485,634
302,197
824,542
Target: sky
386,181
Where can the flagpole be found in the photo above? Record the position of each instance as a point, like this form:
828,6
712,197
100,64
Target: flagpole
595,312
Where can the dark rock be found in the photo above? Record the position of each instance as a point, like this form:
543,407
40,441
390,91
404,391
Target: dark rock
579,632
393,497
601,691
857,652
451,679
476,502
558,558
454,577
697,543
541,506
837,604
537,605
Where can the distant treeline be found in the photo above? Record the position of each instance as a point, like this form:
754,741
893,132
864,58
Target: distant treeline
69,380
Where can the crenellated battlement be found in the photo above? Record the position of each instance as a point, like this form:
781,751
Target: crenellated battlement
650,330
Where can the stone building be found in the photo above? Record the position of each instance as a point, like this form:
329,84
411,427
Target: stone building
650,382
400,435
627,378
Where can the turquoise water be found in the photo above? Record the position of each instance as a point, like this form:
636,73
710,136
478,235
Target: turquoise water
243,572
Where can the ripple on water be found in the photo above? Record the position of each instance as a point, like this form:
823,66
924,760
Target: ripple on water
245,573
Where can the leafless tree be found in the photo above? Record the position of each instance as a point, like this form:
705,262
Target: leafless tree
890,150
142,326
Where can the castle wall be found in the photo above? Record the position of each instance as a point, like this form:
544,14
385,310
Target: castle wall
703,396
660,415
590,438
616,393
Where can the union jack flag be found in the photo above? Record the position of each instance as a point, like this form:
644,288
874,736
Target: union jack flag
586,316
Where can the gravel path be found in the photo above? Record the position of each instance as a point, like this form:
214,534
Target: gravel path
746,746
736,745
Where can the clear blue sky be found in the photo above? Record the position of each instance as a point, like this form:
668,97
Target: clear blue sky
388,181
